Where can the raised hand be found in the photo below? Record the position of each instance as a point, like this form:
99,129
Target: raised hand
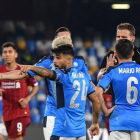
110,60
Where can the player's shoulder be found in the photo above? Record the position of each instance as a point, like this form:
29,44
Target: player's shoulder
66,71
78,60
45,58
79,57
109,69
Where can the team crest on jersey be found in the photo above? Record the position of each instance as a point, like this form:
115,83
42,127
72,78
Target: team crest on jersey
75,64
52,65
17,84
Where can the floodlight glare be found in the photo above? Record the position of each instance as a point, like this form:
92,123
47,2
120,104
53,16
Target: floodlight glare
120,6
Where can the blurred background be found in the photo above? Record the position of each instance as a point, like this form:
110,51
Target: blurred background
31,25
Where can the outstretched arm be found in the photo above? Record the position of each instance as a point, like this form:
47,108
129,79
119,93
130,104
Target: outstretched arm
43,72
13,75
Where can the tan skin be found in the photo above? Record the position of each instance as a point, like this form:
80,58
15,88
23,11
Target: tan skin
2,137
99,91
9,55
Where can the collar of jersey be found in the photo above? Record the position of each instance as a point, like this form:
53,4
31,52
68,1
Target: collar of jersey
128,62
68,69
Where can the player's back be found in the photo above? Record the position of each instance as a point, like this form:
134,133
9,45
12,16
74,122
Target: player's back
71,118
125,83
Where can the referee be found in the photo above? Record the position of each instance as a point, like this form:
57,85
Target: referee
124,31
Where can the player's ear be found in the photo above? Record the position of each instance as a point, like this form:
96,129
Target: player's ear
68,60
2,55
115,53
132,53
16,55
133,39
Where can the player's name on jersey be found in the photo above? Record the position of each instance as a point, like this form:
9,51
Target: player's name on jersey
129,70
77,75
10,85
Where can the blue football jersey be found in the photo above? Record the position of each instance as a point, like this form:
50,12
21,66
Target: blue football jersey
70,116
47,62
124,80
50,109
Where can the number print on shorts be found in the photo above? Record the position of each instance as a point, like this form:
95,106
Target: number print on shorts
131,88
19,126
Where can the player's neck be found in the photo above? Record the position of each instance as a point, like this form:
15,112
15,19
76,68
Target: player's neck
11,66
69,65
125,60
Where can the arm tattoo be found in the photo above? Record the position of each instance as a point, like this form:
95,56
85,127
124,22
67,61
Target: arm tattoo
95,95
103,102
43,72
96,112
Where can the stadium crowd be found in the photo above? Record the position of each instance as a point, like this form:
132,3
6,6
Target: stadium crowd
33,43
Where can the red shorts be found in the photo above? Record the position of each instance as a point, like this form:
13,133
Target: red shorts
16,128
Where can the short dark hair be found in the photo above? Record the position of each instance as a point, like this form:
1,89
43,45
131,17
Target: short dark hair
62,29
128,27
9,44
124,48
64,49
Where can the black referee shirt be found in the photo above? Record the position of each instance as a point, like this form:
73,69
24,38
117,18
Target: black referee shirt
136,57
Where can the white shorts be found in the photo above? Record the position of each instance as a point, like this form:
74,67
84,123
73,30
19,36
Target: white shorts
3,129
48,125
124,135
66,138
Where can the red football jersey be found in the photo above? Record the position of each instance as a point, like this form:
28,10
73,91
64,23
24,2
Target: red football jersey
14,91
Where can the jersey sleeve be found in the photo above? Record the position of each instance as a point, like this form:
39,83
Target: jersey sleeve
44,62
31,82
105,80
90,89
